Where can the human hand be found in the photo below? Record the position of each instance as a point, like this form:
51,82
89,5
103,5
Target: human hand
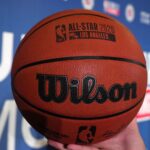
128,139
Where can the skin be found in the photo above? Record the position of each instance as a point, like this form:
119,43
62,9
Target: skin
128,139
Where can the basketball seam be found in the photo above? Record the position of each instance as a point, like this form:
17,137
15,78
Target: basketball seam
53,60
49,21
75,118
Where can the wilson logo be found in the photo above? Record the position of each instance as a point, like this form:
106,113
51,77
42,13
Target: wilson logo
57,88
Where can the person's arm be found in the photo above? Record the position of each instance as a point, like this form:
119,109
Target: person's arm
128,139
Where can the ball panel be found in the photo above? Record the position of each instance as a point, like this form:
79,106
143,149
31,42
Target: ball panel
67,130
105,77
50,48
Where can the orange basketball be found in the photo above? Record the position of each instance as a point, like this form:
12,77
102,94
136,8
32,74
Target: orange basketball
79,76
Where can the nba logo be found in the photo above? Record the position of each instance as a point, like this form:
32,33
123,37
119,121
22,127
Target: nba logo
60,33
86,134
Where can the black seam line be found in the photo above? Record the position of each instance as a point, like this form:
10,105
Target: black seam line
69,15
81,58
76,118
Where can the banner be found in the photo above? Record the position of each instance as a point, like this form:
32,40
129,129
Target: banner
17,17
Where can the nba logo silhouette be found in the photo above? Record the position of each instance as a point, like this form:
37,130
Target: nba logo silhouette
60,33
86,134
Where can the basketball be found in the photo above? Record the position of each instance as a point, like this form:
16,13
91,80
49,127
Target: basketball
79,76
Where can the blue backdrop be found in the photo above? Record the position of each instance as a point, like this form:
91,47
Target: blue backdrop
17,17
